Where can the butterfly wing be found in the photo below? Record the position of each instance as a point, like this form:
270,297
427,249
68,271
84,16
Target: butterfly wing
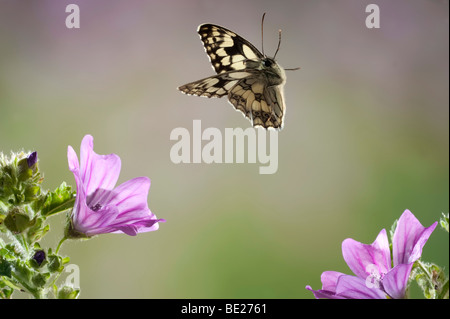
226,50
214,86
262,105
238,66
247,92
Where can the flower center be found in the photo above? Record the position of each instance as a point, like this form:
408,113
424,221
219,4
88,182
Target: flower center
96,207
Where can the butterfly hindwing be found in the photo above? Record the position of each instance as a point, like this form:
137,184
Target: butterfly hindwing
247,92
262,105
214,86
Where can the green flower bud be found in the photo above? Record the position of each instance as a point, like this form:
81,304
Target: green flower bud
55,263
17,220
39,280
19,178
68,292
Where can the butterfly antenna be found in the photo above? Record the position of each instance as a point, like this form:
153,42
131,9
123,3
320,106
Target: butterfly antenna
279,42
262,33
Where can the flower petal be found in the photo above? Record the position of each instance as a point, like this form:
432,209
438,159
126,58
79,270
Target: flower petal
72,158
97,171
356,288
329,280
320,294
395,281
131,196
365,260
409,238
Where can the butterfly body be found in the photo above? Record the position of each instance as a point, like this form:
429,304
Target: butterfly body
252,81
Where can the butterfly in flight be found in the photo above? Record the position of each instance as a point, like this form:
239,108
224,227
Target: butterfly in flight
252,81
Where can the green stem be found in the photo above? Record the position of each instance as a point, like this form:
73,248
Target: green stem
419,263
10,284
36,292
60,243
444,292
22,242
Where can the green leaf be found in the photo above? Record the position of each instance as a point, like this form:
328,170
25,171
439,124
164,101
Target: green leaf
444,221
431,279
67,292
59,200
5,267
38,230
6,292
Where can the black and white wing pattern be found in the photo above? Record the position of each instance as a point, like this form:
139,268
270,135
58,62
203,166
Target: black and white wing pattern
252,81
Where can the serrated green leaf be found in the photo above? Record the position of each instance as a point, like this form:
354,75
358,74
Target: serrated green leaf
59,200
5,268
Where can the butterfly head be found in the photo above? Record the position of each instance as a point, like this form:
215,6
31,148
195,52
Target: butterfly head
274,74
268,62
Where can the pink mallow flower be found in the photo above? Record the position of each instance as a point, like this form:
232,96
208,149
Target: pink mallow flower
375,277
99,207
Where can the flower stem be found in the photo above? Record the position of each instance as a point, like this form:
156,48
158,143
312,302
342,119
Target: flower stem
444,292
37,293
424,269
60,243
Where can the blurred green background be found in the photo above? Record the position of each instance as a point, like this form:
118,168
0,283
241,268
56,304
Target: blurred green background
366,135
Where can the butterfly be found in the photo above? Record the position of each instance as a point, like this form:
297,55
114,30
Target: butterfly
252,81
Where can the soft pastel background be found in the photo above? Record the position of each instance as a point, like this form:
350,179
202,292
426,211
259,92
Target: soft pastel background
366,135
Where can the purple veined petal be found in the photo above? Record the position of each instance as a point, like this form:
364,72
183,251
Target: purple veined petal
366,260
99,221
151,224
352,287
97,171
409,238
395,281
329,280
72,158
131,195
130,198
323,294
80,209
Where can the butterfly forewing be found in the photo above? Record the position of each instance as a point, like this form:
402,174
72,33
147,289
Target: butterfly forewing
226,50
253,86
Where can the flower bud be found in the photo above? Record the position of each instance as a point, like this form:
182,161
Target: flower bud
19,178
18,220
39,257
32,159
55,263
27,167
40,279
68,292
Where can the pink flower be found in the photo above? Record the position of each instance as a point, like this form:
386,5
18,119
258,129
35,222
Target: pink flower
375,277
99,207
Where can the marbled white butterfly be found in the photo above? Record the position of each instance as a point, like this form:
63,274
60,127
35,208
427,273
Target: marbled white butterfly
252,81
